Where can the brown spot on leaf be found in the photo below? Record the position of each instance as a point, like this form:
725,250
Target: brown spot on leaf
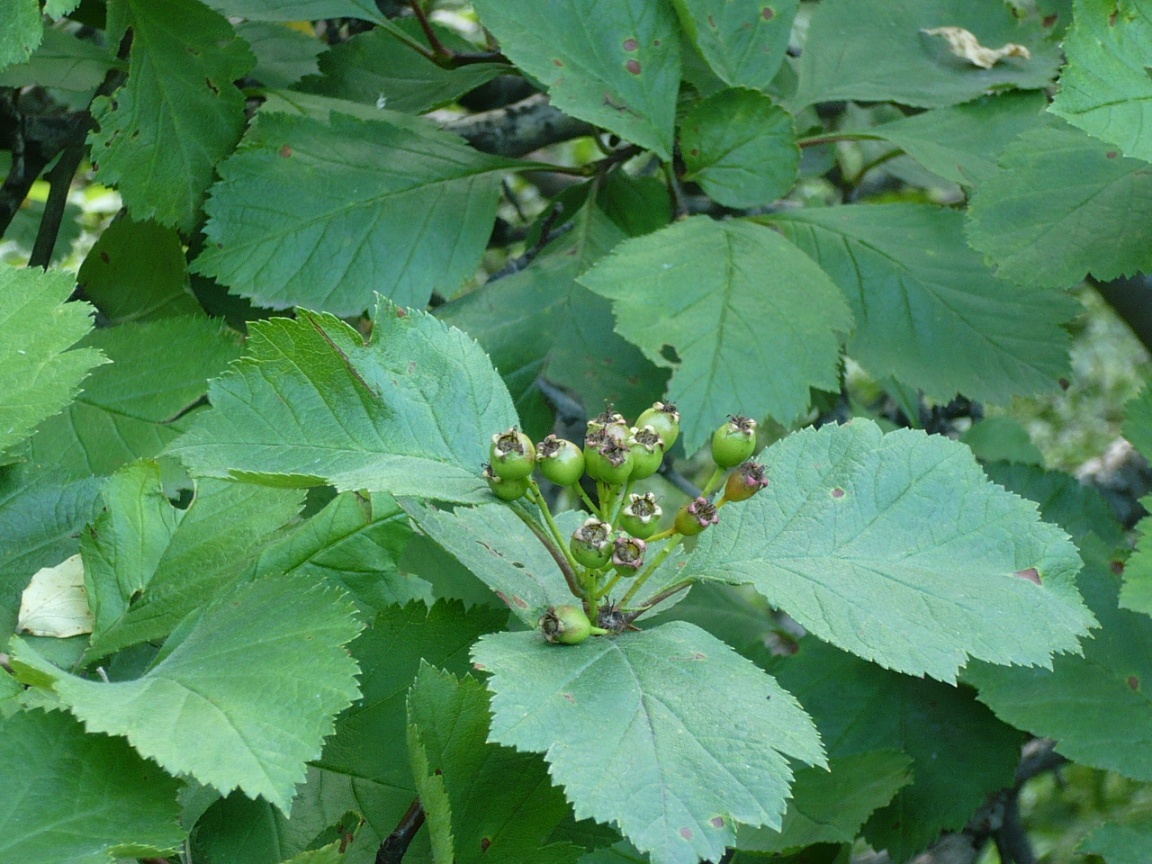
711,22
837,492
104,257
569,697
485,842
503,597
695,151
212,86
480,667
520,601
1112,19
401,312
633,66
438,772
631,45
717,821
556,61
1031,574
1117,568
1064,383
768,13
686,833
1133,682
1049,20
1111,154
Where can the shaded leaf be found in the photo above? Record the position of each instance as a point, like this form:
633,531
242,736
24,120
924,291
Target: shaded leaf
163,132
840,541
411,412
219,706
21,33
727,297
337,200
928,312
1002,438
89,799
62,61
615,65
682,774
1063,205
741,148
743,43
38,374
1105,89
283,55
1124,841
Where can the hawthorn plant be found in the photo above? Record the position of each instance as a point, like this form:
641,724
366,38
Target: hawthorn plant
528,430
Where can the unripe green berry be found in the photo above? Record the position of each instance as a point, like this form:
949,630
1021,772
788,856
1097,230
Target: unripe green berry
560,461
694,517
565,625
745,481
591,543
513,455
664,420
505,490
641,515
733,441
610,463
628,555
647,452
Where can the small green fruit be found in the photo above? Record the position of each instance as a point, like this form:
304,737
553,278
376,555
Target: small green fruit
647,452
610,463
592,543
664,420
628,555
693,518
565,625
734,441
560,461
513,454
505,490
641,515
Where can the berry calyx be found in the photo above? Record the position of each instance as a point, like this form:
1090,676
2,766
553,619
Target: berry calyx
745,481
647,452
504,489
641,515
734,441
560,461
565,625
694,517
592,543
628,555
664,420
513,454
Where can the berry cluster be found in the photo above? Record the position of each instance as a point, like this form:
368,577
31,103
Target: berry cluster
613,543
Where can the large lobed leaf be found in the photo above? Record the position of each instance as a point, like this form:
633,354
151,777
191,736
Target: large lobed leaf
178,114
630,728
1063,205
1105,88
227,704
896,548
928,311
752,320
322,212
411,412
613,64
71,797
38,374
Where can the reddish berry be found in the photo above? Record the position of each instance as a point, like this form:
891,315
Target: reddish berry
695,517
745,481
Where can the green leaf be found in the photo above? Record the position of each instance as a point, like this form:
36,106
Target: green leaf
493,543
411,412
542,321
1063,205
831,806
877,51
21,33
337,200
283,55
133,407
370,739
1002,438
734,613
355,542
1138,422
148,567
299,10
1095,706
741,148
41,515
960,752
728,297
38,374
1136,593
1125,841
374,68
644,703
482,783
928,312
72,797
961,142
162,134
743,43
233,707
136,272
62,61
1105,89
616,65
839,542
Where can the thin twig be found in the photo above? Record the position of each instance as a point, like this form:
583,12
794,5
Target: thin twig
396,844
425,25
60,180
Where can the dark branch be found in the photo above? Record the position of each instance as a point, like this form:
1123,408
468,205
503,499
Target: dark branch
520,128
396,844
